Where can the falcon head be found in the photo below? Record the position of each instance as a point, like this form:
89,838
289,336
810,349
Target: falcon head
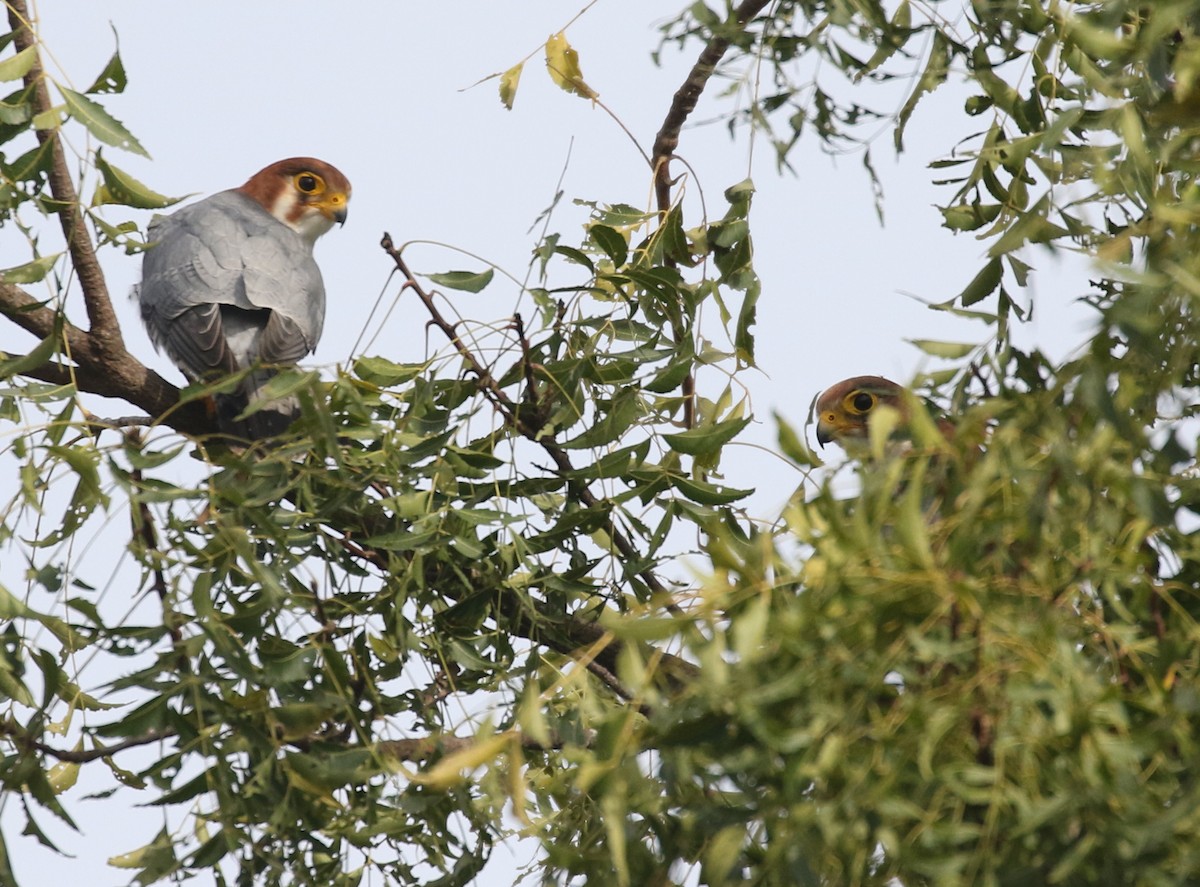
844,410
306,194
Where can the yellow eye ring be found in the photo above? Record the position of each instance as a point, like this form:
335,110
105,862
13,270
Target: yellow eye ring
859,401
309,183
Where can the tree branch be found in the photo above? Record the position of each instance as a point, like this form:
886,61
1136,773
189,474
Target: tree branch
667,141
102,319
510,412
23,738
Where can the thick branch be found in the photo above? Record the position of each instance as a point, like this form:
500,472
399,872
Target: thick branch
105,330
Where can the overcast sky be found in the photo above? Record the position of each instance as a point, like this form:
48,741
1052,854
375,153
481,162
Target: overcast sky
219,89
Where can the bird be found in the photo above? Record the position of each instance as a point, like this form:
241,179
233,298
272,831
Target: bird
230,284
844,411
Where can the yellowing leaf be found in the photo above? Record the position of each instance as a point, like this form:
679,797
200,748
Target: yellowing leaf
64,774
452,769
562,61
508,84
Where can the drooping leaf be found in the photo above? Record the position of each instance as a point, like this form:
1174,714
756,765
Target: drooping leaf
562,61
509,81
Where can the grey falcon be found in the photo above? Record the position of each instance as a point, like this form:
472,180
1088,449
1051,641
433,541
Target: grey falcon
230,284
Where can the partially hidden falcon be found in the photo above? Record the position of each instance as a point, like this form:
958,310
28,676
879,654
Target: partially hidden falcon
844,410
230,284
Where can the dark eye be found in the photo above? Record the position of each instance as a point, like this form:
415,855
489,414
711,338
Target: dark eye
306,182
863,401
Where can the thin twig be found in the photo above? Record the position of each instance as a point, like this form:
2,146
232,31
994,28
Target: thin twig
73,756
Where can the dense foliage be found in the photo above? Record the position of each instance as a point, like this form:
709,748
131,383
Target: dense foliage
452,593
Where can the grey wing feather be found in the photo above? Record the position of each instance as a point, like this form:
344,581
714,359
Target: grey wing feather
226,284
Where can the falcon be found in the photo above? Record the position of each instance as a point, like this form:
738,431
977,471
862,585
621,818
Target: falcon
229,285
844,409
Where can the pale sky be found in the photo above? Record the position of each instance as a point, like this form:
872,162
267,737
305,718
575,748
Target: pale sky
219,89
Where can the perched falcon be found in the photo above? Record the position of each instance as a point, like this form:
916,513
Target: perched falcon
844,410
230,283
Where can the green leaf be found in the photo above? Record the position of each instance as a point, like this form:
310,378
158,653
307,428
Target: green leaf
30,272
19,65
112,79
983,284
936,70
99,122
706,493
386,373
40,354
705,439
468,281
947,350
123,189
969,217
612,242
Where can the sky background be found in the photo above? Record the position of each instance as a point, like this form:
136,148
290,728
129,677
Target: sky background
383,90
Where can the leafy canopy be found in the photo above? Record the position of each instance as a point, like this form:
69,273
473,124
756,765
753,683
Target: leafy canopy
454,592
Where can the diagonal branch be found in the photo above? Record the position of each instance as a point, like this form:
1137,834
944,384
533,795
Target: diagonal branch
105,330
512,415
685,100
667,141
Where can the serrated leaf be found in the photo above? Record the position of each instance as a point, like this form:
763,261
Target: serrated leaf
983,284
468,281
30,272
508,84
120,188
112,79
706,439
562,61
937,68
19,65
99,122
